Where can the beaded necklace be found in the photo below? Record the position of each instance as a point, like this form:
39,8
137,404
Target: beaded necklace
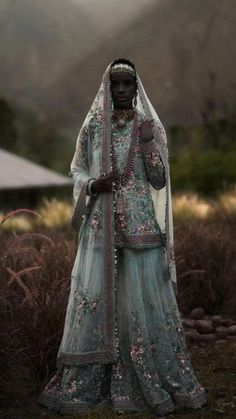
121,116
123,178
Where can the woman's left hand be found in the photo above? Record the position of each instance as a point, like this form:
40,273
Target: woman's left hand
146,131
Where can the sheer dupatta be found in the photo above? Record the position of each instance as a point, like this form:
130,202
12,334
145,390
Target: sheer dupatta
90,325
89,332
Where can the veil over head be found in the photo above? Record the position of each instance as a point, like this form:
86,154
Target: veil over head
94,275
161,198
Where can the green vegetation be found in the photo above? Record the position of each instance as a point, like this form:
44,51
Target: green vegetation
23,133
203,158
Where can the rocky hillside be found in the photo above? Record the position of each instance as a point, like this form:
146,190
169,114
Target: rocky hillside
52,58
185,56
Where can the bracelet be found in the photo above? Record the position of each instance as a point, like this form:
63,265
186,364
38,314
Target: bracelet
89,187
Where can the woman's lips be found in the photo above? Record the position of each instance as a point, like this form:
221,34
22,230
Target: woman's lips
121,98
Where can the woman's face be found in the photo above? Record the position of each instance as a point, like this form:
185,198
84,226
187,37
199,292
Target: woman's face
123,90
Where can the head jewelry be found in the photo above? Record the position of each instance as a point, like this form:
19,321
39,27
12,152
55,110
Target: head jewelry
122,68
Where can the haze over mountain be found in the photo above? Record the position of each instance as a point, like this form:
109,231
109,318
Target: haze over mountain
112,15
53,54
39,41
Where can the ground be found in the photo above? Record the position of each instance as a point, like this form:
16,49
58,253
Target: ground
215,365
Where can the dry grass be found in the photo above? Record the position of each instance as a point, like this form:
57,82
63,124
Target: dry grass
186,207
35,279
190,206
206,267
50,215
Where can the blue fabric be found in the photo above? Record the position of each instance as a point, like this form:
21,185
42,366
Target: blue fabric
152,369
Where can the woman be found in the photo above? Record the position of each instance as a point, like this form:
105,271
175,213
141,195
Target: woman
123,342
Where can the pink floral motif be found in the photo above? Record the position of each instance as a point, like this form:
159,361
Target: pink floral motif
183,363
154,159
153,349
181,358
99,117
143,191
136,352
73,387
119,140
122,223
85,306
145,228
81,303
118,371
94,223
148,376
138,148
130,184
94,305
85,132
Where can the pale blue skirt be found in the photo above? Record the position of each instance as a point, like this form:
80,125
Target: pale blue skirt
153,371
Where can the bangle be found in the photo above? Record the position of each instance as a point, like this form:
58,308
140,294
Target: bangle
89,187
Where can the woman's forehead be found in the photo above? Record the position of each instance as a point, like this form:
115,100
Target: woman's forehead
120,76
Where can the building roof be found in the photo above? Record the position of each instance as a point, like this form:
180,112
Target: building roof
18,172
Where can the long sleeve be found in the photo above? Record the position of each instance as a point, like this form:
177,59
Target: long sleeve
154,166
81,176
79,165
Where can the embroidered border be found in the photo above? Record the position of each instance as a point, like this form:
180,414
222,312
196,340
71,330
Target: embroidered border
108,217
191,402
147,240
60,406
80,206
67,358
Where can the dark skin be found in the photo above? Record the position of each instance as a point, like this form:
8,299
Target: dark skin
123,91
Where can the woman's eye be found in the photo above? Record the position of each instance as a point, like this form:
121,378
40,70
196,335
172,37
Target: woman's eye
128,83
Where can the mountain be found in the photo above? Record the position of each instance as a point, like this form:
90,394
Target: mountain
39,41
53,56
184,52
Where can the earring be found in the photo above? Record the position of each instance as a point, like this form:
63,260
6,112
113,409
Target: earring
135,101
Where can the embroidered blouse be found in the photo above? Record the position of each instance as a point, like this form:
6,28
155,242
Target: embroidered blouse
137,227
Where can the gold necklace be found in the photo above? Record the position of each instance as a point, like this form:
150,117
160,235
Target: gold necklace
122,116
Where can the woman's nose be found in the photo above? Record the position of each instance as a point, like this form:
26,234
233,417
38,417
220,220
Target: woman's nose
121,88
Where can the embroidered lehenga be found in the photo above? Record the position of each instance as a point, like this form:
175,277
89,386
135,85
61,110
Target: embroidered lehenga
123,341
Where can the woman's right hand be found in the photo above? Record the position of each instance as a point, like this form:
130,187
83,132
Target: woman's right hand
103,183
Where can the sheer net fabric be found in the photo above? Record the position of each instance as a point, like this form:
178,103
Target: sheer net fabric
123,342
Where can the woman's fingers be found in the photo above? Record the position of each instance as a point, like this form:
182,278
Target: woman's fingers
146,130
104,183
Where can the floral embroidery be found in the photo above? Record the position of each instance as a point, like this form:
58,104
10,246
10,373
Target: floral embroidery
121,222
154,159
85,305
136,352
118,371
94,223
139,217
